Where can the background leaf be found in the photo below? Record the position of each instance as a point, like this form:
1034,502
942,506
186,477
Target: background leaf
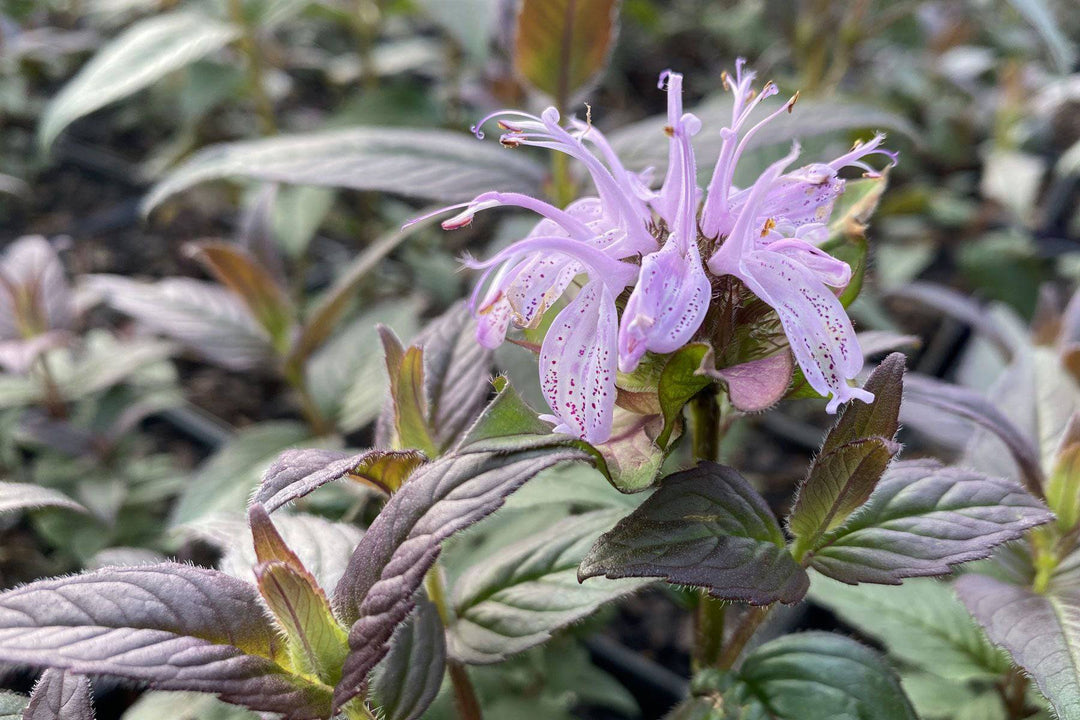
144,53
920,622
1041,632
26,496
518,597
432,164
922,519
706,527
563,44
821,676
409,677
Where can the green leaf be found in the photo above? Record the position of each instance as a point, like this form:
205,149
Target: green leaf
920,622
225,481
12,705
183,706
680,381
922,519
705,527
409,677
855,454
434,164
517,598
1063,482
408,395
317,642
144,53
505,421
1041,632
632,457
563,44
820,676
1062,49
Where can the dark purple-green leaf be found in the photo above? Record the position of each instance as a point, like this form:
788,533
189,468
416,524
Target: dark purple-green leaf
1041,632
60,695
389,564
175,627
922,519
705,527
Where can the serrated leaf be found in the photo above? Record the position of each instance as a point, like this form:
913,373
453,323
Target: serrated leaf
203,316
390,562
922,519
24,496
317,642
433,164
506,420
969,405
705,527
853,457
1041,632
561,45
225,481
144,53
60,695
266,300
820,676
409,677
519,597
296,473
175,627
920,622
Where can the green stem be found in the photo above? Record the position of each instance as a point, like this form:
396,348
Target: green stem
468,706
319,423
253,58
368,18
705,428
54,400
748,625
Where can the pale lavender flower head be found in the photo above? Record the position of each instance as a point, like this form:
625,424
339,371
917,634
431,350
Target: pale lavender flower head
767,235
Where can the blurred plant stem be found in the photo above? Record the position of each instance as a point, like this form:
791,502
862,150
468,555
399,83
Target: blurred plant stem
314,417
54,401
468,706
253,61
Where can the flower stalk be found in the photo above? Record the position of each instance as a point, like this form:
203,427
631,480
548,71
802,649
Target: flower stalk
465,699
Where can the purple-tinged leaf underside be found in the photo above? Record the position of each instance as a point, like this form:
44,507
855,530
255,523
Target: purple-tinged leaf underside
517,598
175,627
922,519
705,527
389,564
60,695
1041,632
409,677
297,473
970,405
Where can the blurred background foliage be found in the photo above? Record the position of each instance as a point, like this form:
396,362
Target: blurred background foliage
221,185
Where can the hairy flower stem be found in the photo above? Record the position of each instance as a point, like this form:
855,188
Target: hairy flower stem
253,60
468,706
748,624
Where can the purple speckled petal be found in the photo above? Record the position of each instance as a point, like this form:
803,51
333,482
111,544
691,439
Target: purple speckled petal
577,364
666,307
814,321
